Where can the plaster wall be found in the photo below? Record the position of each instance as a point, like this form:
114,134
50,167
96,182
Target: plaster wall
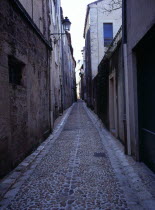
116,73
98,16
140,18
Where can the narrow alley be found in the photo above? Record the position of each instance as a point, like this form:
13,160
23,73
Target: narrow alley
77,98
81,166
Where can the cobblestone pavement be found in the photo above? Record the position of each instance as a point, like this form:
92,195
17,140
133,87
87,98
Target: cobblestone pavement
79,171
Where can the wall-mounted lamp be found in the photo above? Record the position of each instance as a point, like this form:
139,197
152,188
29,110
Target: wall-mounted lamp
66,26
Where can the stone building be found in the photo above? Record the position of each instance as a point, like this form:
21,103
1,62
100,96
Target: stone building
31,74
99,31
62,71
24,81
56,60
38,12
138,52
68,65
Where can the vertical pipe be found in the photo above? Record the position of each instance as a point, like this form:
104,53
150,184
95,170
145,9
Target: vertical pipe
124,41
126,81
49,74
50,79
62,70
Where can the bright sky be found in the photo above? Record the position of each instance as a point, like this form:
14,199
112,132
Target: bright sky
75,10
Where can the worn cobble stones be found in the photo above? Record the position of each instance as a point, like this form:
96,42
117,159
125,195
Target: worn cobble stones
76,173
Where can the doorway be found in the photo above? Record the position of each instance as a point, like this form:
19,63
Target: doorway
146,100
112,105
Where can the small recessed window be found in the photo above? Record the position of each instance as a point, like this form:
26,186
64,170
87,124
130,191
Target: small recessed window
15,70
108,33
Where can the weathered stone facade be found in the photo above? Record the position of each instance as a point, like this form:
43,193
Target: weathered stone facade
62,70
88,70
24,85
38,12
69,64
55,61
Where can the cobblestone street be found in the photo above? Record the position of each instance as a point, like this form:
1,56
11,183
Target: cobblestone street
81,167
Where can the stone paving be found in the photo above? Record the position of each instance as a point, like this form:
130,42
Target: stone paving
81,168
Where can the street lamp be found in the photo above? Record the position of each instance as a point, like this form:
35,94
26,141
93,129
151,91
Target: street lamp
66,26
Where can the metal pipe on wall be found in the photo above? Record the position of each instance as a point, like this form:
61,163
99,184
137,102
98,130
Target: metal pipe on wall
126,81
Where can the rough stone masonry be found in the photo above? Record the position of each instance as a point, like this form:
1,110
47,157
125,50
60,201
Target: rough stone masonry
24,87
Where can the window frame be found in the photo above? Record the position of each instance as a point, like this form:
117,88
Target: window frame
107,40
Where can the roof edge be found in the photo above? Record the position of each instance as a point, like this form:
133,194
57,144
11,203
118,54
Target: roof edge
87,12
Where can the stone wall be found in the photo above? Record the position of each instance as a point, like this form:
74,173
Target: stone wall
68,72
38,11
24,97
88,70
56,63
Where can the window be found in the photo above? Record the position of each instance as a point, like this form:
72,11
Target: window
108,33
15,70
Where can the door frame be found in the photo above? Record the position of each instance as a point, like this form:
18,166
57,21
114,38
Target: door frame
113,126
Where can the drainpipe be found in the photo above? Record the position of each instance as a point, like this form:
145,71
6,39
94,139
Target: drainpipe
126,81
50,95
62,73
